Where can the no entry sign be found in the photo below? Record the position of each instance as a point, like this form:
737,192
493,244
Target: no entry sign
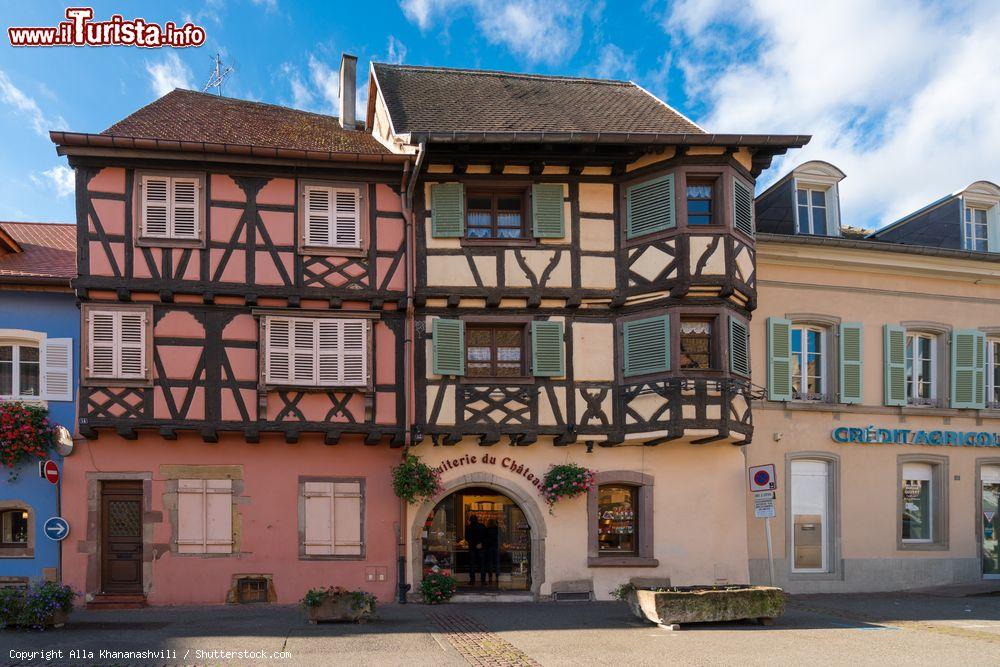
762,478
49,470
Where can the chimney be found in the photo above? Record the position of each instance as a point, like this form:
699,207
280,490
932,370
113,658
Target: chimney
348,83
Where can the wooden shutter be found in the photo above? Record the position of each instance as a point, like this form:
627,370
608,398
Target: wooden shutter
333,519
279,351
894,346
303,351
646,346
547,210
650,206
347,218
343,352
743,207
101,339
739,347
57,369
851,378
968,369
156,206
547,350
447,210
184,208
205,516
132,344
448,347
318,215
779,359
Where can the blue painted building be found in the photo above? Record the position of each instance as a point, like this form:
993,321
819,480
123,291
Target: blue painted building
39,348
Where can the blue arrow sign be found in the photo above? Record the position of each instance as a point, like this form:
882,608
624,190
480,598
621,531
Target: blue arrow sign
56,528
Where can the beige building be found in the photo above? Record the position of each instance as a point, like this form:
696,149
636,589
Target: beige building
881,362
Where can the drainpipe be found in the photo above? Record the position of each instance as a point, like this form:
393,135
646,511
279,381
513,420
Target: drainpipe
406,196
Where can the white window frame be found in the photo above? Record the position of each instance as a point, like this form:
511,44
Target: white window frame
912,384
825,517
332,242
205,489
312,356
172,206
55,365
335,496
992,363
15,362
810,188
923,472
803,362
116,372
969,228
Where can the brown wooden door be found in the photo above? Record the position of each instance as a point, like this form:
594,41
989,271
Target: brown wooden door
121,537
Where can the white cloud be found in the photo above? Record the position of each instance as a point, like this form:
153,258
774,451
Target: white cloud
302,97
168,74
902,97
327,82
60,178
396,52
613,63
15,98
268,5
546,31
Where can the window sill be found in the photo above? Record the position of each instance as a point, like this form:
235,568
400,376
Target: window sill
500,243
928,410
922,546
327,251
622,561
311,388
16,552
116,382
322,557
147,242
497,381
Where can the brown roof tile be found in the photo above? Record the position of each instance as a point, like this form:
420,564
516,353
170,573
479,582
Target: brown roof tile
186,115
47,251
435,99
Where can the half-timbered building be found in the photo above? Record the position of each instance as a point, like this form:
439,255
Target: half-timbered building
584,283
242,284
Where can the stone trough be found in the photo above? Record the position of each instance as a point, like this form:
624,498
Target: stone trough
676,605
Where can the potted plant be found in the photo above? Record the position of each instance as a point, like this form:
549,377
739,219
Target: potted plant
414,480
436,588
43,605
336,603
25,434
566,480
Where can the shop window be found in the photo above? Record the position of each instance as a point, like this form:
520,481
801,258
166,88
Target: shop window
332,516
495,351
14,529
923,498
809,373
496,215
205,516
617,509
921,369
697,344
810,516
620,511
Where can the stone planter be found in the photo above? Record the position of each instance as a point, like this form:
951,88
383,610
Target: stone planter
338,609
702,604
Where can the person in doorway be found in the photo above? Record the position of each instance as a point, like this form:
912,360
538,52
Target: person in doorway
492,544
475,536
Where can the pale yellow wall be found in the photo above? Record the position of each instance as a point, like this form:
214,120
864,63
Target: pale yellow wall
597,198
593,347
698,535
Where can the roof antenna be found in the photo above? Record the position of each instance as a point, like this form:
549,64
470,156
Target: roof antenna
218,75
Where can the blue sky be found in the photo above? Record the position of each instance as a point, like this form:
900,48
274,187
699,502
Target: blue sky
900,94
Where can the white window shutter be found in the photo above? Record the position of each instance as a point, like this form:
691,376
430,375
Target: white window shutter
155,206
304,351
318,216
218,516
355,353
57,371
279,353
318,502
347,220
131,345
101,358
347,538
191,516
184,208
330,345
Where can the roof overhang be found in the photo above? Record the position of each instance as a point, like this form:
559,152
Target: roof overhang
776,141
7,242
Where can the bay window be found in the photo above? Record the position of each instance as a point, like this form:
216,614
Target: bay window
697,344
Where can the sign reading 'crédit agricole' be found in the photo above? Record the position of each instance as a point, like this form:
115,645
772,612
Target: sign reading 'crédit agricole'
906,436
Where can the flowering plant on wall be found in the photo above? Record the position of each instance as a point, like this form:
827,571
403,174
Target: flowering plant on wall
414,480
567,480
25,434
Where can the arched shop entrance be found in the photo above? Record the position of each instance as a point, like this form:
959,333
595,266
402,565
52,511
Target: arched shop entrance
443,530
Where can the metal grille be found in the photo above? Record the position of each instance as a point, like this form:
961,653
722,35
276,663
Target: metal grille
251,589
124,519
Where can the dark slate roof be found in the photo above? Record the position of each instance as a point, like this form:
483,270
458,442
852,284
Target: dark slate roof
43,250
186,115
436,99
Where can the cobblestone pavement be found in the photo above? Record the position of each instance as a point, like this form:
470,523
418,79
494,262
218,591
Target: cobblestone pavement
852,630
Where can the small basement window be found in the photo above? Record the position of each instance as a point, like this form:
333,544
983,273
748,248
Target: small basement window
250,590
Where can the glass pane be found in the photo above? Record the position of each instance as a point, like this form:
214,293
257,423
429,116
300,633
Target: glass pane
699,206
509,337
991,524
480,202
699,219
803,219
6,353
616,519
818,198
696,344
478,336
478,370
981,217
507,370
809,514
6,378
815,338
15,527
916,509
30,378
509,204
819,221
796,340
29,353
509,220
479,354
699,191
508,354
803,196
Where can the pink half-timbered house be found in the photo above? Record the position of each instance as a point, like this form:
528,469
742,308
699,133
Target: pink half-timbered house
242,281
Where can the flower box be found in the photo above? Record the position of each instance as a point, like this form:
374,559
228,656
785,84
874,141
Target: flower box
704,604
335,604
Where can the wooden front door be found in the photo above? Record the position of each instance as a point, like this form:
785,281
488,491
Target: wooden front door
121,537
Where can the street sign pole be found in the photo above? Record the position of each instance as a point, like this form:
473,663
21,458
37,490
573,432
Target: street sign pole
770,553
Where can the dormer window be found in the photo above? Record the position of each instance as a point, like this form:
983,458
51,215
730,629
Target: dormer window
812,211
976,229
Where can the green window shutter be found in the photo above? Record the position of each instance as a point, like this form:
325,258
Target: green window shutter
647,345
447,210
547,355
895,364
742,207
851,362
779,359
547,210
739,347
449,347
968,369
649,206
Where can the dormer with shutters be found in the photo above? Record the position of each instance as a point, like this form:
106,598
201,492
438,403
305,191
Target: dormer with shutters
239,282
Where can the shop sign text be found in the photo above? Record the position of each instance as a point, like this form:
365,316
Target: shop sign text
506,462
906,436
